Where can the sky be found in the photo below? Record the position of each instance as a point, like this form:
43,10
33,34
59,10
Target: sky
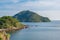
46,8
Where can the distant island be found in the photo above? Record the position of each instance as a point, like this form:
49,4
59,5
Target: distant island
29,16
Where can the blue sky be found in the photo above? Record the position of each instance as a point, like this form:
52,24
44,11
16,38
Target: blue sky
46,8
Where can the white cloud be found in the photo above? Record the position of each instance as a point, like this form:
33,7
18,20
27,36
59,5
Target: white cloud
45,5
39,3
49,8
52,14
15,1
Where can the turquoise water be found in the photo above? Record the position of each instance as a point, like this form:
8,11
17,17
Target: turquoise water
38,31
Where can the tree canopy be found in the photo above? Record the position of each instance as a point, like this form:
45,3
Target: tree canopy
9,22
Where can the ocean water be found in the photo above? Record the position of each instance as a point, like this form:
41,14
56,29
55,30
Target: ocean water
38,31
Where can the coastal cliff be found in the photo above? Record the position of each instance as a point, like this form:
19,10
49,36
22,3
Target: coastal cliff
4,36
8,24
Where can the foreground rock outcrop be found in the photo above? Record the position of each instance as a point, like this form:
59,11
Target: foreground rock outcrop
4,36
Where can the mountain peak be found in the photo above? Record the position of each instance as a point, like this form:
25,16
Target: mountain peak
29,16
25,11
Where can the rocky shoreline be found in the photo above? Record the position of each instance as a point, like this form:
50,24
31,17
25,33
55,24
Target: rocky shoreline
4,32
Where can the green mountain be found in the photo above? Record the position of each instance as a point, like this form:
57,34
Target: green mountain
7,25
9,22
29,16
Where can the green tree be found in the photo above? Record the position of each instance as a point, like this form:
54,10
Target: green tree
9,22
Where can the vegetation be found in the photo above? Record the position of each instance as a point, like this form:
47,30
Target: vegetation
0,38
29,16
9,22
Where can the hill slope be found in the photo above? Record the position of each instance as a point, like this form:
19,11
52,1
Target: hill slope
9,22
29,16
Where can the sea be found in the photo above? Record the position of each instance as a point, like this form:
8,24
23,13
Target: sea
38,31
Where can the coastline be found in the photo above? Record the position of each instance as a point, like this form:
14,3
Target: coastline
4,33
